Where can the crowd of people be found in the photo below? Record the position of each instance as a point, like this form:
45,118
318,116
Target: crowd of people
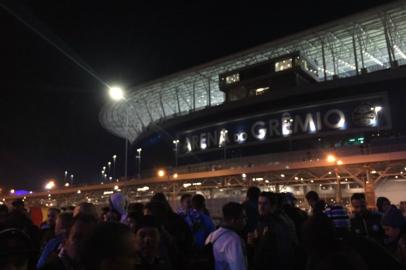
266,231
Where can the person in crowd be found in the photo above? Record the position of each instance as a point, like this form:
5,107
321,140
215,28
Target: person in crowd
48,227
316,204
394,225
119,205
365,222
297,215
228,247
18,206
147,243
62,226
176,226
185,205
86,208
20,220
251,208
323,248
3,216
200,223
17,252
339,216
111,246
382,204
70,256
274,241
104,214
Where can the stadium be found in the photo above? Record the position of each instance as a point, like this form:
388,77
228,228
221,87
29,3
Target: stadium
320,110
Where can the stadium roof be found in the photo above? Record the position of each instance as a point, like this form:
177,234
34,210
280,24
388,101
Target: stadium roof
370,40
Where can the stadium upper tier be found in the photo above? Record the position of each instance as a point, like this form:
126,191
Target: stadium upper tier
365,42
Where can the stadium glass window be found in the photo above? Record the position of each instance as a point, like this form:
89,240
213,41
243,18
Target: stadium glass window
283,64
233,78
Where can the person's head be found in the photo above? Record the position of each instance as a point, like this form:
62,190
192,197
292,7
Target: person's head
393,222
233,215
287,199
86,208
186,201
119,203
312,198
198,202
358,203
267,203
157,210
52,215
160,197
147,237
383,204
82,227
253,193
16,250
63,223
18,205
110,246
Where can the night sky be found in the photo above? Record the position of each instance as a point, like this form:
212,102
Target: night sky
49,106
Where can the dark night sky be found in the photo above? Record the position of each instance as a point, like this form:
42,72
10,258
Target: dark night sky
49,106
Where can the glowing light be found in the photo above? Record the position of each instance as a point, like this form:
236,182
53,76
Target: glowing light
79,191
296,178
282,175
331,158
175,175
243,175
161,173
373,171
12,191
186,185
241,137
116,93
144,188
50,185
116,187
223,137
261,133
339,162
67,184
377,109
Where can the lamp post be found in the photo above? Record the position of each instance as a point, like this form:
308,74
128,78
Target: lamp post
117,94
114,165
176,142
71,179
139,150
109,166
66,175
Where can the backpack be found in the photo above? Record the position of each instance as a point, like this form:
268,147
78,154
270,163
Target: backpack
203,258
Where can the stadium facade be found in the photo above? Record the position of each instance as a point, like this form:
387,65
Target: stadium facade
270,115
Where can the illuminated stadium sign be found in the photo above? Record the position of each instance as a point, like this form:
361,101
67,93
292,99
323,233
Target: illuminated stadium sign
355,115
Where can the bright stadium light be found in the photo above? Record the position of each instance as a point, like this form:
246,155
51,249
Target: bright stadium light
50,185
331,158
161,173
116,93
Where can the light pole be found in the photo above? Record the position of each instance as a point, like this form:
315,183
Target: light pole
139,150
71,179
109,166
66,175
114,165
117,94
176,142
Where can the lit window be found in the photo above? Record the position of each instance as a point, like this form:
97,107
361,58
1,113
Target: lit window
283,65
261,90
233,78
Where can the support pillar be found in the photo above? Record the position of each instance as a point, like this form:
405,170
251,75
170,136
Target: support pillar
369,187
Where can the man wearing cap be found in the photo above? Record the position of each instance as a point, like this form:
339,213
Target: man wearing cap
394,225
